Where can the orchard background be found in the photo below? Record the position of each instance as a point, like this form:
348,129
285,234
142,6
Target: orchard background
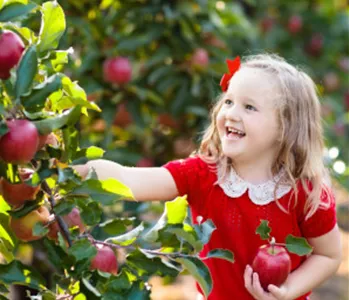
171,55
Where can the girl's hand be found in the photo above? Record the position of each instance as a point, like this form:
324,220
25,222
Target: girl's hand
254,287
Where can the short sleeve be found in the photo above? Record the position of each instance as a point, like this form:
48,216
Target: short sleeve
323,220
192,176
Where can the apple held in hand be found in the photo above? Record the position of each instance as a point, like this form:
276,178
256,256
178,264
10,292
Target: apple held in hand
273,264
105,260
20,143
23,227
11,49
72,219
16,194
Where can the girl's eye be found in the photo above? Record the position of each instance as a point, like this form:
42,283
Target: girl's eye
228,102
250,107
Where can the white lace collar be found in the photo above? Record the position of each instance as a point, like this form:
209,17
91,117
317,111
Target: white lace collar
260,194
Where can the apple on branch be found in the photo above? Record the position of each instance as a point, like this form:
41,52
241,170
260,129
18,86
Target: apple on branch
23,227
11,49
72,219
20,143
16,194
105,260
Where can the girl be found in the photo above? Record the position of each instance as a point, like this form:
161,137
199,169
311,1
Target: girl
260,158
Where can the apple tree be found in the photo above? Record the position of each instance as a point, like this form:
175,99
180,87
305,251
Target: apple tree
80,249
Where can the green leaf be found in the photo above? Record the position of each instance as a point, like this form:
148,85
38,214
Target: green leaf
52,26
107,192
39,229
5,250
204,230
82,249
264,230
116,226
117,284
188,237
69,117
90,153
298,245
3,128
91,213
37,98
176,210
221,253
199,271
150,265
127,238
17,273
14,10
26,72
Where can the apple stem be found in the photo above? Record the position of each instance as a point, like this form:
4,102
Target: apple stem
272,243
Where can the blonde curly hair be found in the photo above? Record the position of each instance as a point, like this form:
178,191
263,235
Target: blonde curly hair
301,149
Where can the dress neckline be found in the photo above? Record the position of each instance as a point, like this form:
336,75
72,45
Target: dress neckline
260,194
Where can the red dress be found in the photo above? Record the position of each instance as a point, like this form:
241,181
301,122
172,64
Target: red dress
236,220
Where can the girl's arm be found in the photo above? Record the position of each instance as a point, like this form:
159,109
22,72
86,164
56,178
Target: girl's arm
145,183
319,266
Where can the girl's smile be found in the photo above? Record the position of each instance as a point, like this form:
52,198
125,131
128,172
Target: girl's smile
247,121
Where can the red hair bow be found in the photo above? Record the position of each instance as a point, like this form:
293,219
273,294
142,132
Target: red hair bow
233,66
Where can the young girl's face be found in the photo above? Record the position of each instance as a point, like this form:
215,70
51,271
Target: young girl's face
247,122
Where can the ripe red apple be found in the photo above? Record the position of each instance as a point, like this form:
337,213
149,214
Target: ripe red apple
315,45
122,117
167,120
23,227
117,70
20,143
11,49
295,24
200,59
16,194
72,219
105,260
273,264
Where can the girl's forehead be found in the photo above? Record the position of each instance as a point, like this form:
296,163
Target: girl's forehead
252,83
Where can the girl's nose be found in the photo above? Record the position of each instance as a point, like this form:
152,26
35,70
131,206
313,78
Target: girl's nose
234,113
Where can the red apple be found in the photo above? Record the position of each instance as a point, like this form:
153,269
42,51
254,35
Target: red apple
200,59
23,227
315,45
72,219
295,24
122,117
16,194
167,120
11,49
117,70
20,143
273,264
105,260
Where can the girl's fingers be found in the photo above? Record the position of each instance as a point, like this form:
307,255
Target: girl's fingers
248,278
